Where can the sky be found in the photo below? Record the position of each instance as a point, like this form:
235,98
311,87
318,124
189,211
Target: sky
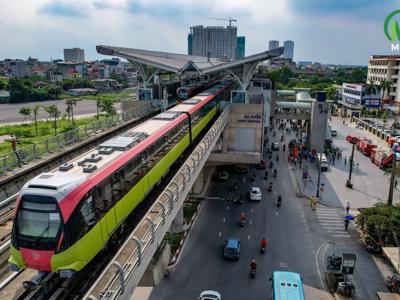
327,31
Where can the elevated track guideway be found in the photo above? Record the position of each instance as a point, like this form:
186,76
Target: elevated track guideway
123,273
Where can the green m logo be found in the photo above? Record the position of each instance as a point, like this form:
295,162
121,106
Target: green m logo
391,27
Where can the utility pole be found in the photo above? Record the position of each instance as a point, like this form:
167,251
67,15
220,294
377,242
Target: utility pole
348,182
392,179
319,174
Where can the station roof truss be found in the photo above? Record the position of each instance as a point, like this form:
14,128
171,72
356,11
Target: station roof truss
240,69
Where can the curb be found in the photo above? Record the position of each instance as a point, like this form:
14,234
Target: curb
176,256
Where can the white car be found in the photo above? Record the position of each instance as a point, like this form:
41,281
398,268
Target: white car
210,295
334,133
255,193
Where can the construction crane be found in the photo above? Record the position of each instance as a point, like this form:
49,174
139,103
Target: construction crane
230,20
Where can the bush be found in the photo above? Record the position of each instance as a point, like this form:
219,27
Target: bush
381,222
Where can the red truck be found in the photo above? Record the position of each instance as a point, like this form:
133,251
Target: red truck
366,146
383,159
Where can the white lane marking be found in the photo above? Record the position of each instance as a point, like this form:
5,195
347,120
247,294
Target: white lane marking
330,221
325,209
327,217
248,237
252,210
323,245
341,235
276,213
250,222
223,220
220,233
326,214
227,208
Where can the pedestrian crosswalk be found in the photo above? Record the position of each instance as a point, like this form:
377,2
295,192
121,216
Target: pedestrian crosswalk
332,222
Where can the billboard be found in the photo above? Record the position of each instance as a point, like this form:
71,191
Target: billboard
372,103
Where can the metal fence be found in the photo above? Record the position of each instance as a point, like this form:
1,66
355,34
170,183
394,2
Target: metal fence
24,155
122,275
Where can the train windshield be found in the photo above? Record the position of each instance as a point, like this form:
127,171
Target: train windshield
38,221
183,94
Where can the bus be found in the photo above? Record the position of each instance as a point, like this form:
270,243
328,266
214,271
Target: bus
287,285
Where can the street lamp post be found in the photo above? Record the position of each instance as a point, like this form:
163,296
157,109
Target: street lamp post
319,174
348,182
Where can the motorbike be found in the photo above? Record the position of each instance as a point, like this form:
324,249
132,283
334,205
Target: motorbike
283,148
271,164
235,186
277,158
265,175
253,177
270,187
275,173
373,248
281,138
334,262
392,283
346,288
262,249
279,201
252,273
242,223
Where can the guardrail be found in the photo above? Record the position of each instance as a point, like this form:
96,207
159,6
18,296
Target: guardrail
124,272
24,155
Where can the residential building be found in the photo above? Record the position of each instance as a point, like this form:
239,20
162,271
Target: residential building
190,43
106,84
4,96
72,69
304,64
20,68
385,67
273,44
74,55
354,98
280,62
240,47
214,41
288,49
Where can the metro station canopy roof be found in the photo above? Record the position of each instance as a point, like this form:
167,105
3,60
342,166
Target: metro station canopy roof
179,63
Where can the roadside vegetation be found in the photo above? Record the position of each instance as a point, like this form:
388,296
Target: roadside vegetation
33,131
381,222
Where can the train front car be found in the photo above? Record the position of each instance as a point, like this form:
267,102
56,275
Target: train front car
38,231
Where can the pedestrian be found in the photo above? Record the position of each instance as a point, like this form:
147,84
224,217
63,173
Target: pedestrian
345,159
347,207
346,224
333,159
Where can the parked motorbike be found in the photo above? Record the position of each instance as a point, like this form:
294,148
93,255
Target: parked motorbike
346,288
252,273
262,249
393,283
242,223
334,262
373,248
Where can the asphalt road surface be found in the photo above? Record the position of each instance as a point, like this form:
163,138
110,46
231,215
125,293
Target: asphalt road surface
291,244
9,113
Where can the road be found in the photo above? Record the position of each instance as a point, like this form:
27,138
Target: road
293,244
9,113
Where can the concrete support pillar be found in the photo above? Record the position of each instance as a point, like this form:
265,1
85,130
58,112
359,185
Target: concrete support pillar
319,119
156,269
179,223
199,183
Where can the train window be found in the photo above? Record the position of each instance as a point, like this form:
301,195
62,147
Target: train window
76,226
87,209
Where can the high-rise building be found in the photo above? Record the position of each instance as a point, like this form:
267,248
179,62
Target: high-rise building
214,41
240,47
190,44
385,68
288,49
273,44
74,54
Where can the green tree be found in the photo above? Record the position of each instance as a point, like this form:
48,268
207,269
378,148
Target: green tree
20,89
107,106
385,88
53,111
26,112
70,109
35,115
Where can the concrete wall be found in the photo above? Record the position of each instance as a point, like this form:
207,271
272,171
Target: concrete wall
245,121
